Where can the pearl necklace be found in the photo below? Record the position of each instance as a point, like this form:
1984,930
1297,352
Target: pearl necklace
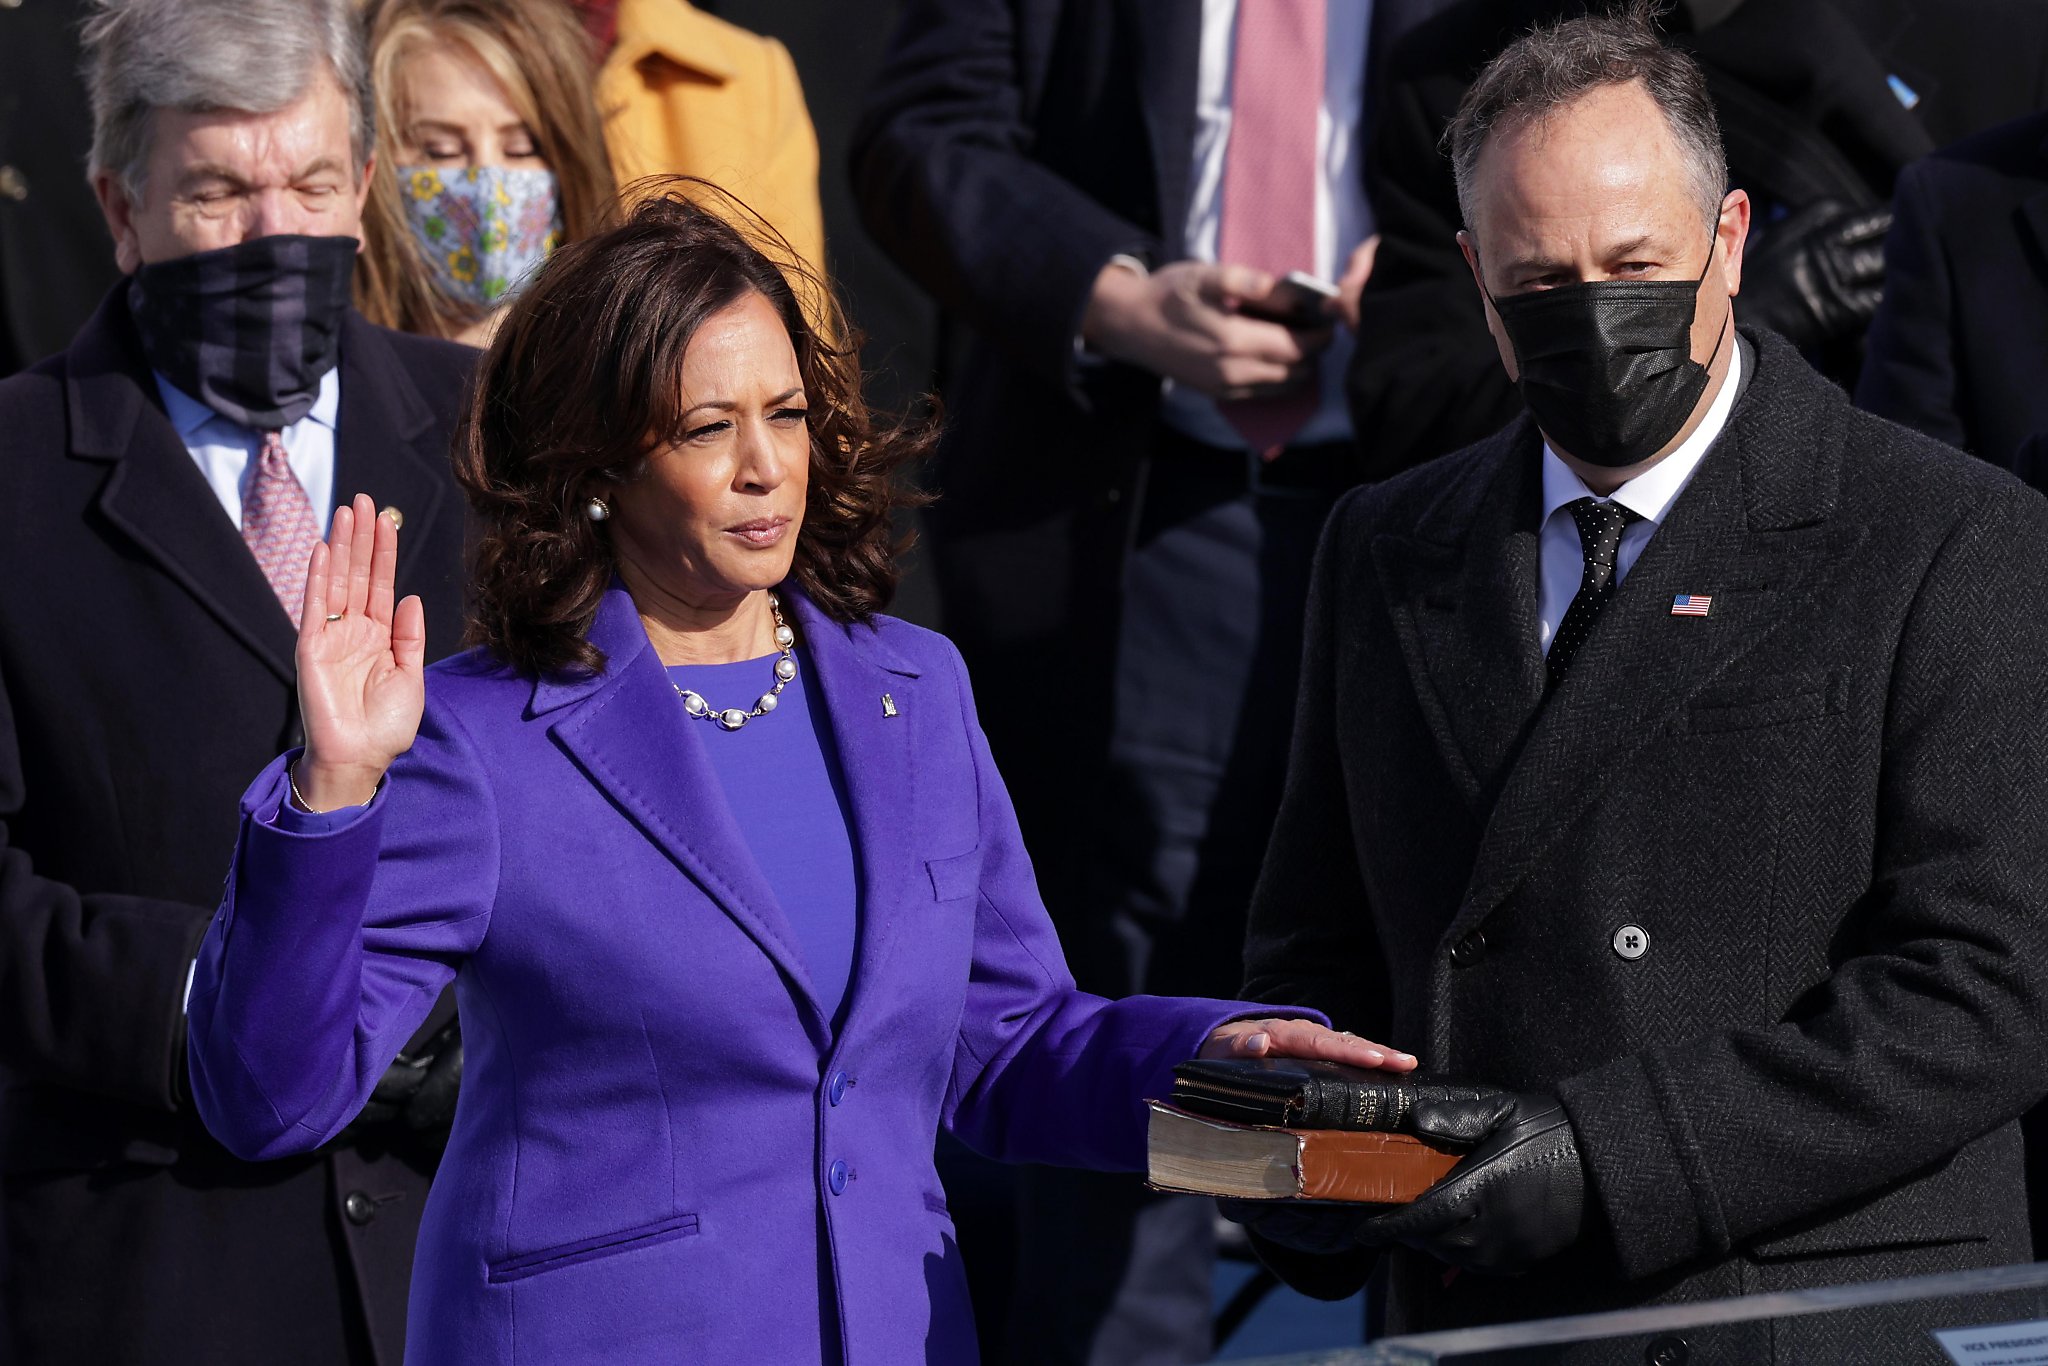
732,718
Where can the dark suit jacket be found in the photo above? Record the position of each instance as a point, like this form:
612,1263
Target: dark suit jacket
1822,801
1009,149
145,676
1959,347
1806,111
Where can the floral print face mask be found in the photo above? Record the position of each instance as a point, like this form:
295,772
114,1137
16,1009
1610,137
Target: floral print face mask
483,229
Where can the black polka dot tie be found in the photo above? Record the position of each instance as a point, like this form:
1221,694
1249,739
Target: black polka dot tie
1600,527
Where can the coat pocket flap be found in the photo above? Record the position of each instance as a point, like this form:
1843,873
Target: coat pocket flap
590,1249
954,877
1770,701
1918,1214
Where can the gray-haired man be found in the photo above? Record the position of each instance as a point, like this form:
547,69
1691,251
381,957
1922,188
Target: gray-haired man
161,483
1675,759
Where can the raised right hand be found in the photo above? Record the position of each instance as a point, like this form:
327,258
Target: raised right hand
1182,321
361,662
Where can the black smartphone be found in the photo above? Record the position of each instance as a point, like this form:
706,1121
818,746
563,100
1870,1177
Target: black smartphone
1297,301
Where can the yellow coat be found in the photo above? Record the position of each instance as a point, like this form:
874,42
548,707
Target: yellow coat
683,92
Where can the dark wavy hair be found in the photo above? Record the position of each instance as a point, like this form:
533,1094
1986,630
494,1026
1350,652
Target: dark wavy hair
583,381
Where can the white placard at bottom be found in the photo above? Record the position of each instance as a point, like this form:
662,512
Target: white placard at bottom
1997,1344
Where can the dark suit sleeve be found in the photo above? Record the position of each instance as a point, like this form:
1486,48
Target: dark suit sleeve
1310,936
1425,378
1909,373
946,183
1929,1031
91,987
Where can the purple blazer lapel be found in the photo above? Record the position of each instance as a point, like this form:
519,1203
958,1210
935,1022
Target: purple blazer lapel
856,672
626,729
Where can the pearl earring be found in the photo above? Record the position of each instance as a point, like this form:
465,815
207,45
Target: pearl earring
596,510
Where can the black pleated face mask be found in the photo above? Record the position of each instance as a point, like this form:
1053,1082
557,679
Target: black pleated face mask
248,330
1606,365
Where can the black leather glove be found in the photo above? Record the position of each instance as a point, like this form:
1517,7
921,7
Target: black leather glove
1817,275
415,1098
431,1107
1517,1198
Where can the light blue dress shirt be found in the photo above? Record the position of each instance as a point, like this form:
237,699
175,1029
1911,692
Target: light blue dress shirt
225,450
225,453
1561,560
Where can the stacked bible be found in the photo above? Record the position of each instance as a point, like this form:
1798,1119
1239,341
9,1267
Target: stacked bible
1292,1129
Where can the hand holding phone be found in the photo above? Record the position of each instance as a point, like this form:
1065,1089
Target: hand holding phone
1297,299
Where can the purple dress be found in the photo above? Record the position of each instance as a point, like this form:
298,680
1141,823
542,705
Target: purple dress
783,785
665,1151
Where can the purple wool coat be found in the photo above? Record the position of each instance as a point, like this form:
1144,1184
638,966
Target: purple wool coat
663,1152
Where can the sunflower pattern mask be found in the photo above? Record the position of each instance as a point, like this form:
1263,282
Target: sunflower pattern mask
483,229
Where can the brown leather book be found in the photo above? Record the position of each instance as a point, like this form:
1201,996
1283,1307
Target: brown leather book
1262,1162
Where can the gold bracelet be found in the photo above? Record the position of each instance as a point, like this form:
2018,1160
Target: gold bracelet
291,780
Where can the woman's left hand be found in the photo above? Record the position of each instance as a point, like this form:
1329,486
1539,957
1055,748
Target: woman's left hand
1302,1039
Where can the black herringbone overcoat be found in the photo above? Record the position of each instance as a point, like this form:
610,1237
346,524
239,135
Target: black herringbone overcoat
1822,808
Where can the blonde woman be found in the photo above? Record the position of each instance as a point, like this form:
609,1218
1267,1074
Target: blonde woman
490,154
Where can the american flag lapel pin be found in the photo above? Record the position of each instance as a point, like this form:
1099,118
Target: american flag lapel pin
1691,605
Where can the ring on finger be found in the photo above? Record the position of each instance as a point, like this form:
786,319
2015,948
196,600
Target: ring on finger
335,616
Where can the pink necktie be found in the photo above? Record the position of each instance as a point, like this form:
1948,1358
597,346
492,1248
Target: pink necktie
1269,176
278,524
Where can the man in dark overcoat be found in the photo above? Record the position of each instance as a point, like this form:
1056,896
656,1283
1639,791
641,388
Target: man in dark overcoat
161,481
1676,759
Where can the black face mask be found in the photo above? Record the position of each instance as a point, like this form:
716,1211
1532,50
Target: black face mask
1606,365
247,330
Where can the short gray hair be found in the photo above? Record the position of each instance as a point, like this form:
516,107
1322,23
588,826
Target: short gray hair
252,56
1549,68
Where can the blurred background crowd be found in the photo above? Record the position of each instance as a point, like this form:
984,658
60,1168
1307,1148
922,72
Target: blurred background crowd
1061,221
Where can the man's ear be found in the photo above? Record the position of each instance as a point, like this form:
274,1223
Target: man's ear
363,199
1493,325
1732,230
119,211
1471,257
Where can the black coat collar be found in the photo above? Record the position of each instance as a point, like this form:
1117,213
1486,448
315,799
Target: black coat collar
156,498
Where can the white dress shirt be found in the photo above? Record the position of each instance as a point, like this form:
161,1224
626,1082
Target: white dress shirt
225,449
1343,218
1562,560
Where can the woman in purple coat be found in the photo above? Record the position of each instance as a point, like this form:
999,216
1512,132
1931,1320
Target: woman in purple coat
730,890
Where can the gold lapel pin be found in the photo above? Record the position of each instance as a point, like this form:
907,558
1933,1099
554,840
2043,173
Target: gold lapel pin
888,705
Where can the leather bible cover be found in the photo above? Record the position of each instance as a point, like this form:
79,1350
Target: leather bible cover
1303,1093
1319,1164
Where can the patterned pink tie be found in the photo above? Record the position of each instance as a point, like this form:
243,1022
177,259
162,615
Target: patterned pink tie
278,524
1269,176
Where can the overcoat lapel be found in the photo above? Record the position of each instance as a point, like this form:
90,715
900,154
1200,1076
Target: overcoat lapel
1751,532
379,441
627,730
1462,591
154,494
855,670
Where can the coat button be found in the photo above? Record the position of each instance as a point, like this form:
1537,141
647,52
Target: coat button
835,1176
835,1089
359,1207
1632,942
13,184
1469,950
1667,1351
